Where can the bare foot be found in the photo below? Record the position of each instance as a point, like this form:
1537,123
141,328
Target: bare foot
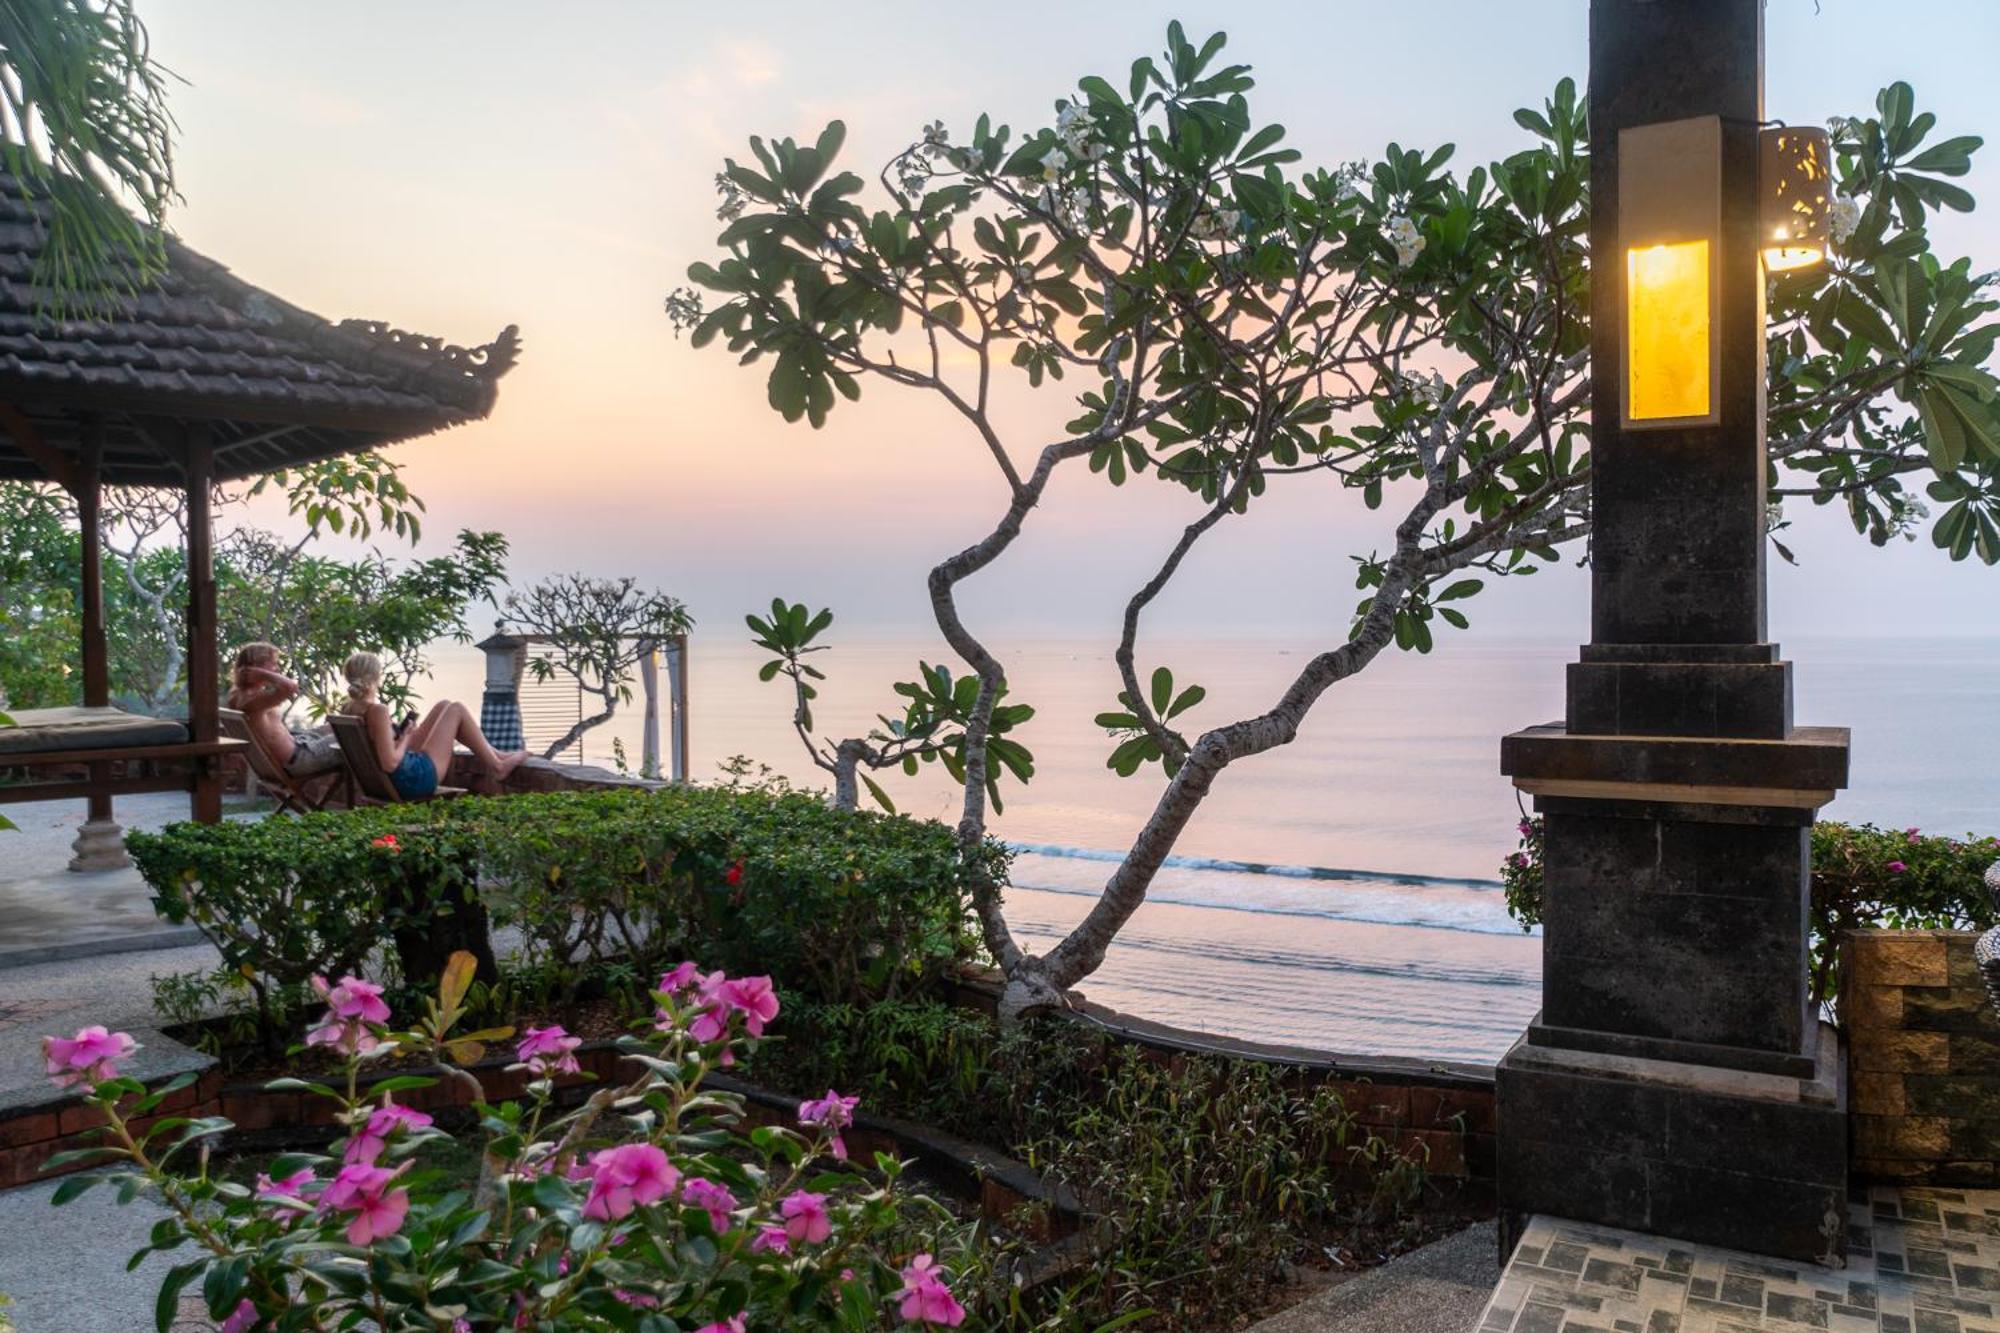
509,761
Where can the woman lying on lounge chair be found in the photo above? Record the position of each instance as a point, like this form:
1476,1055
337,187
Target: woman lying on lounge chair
260,692
414,754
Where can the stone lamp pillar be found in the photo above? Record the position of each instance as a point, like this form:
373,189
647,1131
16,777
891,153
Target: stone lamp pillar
500,707
1677,1080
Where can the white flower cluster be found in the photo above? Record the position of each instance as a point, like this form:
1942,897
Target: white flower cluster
683,305
1347,180
1845,217
936,141
1216,224
1055,162
1430,391
1409,242
1077,129
1072,206
733,199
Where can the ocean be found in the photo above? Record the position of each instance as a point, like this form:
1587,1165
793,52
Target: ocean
1341,892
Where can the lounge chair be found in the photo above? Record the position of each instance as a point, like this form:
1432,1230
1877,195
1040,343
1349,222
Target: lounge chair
291,792
371,782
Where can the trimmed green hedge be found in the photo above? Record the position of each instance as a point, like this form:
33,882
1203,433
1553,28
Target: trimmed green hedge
841,905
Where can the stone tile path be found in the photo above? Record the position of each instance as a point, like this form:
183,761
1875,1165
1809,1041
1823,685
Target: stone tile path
1919,1261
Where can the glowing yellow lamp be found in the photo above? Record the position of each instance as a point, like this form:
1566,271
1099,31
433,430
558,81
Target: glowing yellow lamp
1669,226
1794,180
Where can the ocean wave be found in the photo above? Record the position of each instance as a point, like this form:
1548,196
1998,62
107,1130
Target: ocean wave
1225,865
1469,906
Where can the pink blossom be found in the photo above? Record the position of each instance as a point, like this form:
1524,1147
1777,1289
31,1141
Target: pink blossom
734,1324
1525,828
685,976
754,998
1897,867
285,1187
712,1198
834,1113
242,1319
638,1300
926,1299
353,998
806,1218
1910,835
624,1177
772,1239
86,1058
384,1122
549,1051
349,1038
364,1191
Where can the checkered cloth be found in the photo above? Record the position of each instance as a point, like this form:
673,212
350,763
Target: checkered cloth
500,719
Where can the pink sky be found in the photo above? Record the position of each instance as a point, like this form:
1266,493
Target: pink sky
456,166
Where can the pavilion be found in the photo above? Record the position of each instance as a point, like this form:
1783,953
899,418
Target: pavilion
197,380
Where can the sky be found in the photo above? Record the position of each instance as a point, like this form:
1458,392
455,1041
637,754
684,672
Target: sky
453,166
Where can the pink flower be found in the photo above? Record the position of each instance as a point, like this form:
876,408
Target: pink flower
353,999
806,1218
834,1113
1897,867
926,1299
364,1191
685,976
772,1239
384,1122
754,998
713,1199
242,1319
1525,828
387,840
624,1177
1910,835
86,1058
549,1051
734,1324
285,1187
349,1039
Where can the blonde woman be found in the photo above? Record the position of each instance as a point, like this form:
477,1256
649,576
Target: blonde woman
415,754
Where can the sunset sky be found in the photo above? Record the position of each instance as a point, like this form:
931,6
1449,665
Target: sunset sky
452,166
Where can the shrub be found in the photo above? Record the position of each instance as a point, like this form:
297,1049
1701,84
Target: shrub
638,1210
1862,876
837,904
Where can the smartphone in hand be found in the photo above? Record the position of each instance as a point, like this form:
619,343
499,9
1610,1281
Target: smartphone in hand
408,720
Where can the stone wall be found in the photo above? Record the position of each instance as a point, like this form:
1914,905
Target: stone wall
1923,1059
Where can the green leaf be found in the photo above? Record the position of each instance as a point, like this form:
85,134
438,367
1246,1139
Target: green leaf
1163,689
875,790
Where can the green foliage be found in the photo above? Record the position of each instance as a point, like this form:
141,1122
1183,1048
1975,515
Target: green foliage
83,117
1863,878
835,904
1137,744
596,631
932,728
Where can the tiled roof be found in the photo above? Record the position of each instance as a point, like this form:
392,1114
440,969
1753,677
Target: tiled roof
271,384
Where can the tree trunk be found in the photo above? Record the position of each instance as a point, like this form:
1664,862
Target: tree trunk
846,774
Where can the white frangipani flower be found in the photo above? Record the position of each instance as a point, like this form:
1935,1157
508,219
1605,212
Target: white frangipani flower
1409,242
1054,163
1846,216
733,199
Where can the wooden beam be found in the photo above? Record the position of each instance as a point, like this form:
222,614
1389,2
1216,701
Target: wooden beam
203,653
44,455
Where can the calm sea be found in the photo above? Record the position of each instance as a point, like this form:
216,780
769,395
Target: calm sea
1339,892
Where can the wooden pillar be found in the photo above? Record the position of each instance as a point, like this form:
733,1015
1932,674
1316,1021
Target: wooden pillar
203,657
100,843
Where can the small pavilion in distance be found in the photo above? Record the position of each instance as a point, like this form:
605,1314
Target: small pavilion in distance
197,379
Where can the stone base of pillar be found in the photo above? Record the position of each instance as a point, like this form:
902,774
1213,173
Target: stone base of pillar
99,845
1748,1161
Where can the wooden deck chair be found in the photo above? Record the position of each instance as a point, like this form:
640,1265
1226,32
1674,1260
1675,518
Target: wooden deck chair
371,783
291,792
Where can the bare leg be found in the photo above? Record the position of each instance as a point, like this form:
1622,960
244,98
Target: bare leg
420,735
456,723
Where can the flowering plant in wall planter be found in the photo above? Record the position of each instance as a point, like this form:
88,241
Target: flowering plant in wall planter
641,1209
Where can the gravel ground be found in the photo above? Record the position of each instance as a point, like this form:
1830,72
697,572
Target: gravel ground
1440,1288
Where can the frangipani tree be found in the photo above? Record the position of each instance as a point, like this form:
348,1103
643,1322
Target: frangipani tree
1231,320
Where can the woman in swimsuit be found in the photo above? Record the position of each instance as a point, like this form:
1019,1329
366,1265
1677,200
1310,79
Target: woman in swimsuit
414,757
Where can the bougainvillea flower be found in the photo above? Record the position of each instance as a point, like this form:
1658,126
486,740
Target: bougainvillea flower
734,875
711,1198
384,1123
754,998
1897,867
88,1057
926,1298
549,1051
806,1218
624,1177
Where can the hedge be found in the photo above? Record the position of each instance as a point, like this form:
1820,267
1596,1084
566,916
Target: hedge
841,905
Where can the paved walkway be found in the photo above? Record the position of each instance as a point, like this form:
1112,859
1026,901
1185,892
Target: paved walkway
1437,1289
1919,1261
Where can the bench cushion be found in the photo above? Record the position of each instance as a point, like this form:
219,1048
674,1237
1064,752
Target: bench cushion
41,730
